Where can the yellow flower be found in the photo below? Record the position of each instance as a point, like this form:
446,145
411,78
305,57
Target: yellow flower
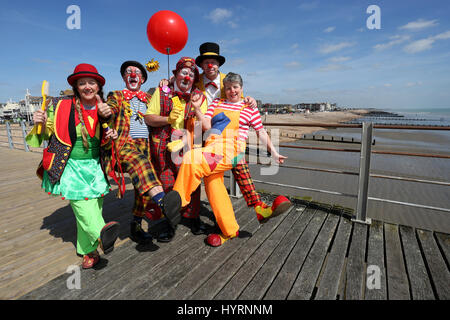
152,65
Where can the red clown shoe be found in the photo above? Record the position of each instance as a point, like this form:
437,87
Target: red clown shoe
280,205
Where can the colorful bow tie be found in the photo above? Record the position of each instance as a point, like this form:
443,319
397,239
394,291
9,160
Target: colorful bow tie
128,95
186,96
211,83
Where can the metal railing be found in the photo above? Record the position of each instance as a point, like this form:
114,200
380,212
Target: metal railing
15,135
364,174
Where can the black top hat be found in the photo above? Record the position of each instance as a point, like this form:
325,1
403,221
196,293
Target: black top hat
136,64
210,50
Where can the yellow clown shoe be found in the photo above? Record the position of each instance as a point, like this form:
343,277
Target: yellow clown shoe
280,205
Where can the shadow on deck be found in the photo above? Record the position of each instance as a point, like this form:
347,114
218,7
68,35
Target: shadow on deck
311,252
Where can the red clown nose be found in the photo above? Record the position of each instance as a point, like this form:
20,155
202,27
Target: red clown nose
187,78
210,66
133,75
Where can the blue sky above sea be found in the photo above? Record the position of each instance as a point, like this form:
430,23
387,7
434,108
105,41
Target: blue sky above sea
286,51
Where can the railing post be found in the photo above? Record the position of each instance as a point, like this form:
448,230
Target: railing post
8,133
364,173
235,192
24,134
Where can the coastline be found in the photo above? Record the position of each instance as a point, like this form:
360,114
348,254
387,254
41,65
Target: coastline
409,141
314,117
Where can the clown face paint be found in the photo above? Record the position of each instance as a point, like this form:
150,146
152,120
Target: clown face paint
185,79
211,68
133,78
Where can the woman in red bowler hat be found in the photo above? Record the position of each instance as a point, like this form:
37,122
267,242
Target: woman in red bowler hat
72,166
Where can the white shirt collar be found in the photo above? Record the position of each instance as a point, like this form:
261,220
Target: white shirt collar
216,80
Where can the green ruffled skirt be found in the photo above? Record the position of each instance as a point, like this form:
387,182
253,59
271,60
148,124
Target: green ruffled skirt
83,177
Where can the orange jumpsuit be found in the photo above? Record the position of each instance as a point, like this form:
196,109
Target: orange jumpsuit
222,151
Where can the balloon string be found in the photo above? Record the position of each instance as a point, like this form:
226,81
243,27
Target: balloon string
168,73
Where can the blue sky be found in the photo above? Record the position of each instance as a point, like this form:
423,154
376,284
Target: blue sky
286,51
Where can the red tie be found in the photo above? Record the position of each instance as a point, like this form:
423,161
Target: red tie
186,96
130,94
211,83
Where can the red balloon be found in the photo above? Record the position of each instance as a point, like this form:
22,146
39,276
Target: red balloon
167,30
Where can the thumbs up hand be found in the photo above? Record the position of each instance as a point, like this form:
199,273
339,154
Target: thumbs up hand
103,109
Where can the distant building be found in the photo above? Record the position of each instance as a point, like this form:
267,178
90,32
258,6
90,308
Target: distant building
67,92
28,106
10,110
316,106
276,108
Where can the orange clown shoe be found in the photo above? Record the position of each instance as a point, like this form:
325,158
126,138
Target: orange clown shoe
280,205
216,240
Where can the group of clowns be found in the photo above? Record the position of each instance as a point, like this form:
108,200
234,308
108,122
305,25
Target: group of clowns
193,127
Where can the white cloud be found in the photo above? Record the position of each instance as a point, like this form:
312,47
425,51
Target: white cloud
237,62
442,36
220,15
419,45
394,41
419,25
426,43
329,29
333,67
292,65
295,46
305,6
329,48
339,59
413,84
388,85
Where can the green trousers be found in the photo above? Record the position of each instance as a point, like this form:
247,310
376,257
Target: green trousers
88,214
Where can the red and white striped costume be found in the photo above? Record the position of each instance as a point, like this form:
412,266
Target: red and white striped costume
248,118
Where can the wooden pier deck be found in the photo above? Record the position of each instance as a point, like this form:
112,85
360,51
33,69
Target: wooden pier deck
312,252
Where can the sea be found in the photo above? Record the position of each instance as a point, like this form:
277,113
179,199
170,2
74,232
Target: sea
397,140
416,116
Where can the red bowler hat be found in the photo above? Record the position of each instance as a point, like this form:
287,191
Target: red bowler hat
85,70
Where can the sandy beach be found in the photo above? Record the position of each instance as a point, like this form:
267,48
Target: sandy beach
314,117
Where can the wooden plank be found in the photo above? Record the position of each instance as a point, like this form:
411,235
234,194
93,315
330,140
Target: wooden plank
307,278
138,276
258,286
375,257
355,273
219,279
397,280
57,287
434,260
252,266
330,279
93,280
51,268
187,262
421,288
443,241
202,272
283,282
